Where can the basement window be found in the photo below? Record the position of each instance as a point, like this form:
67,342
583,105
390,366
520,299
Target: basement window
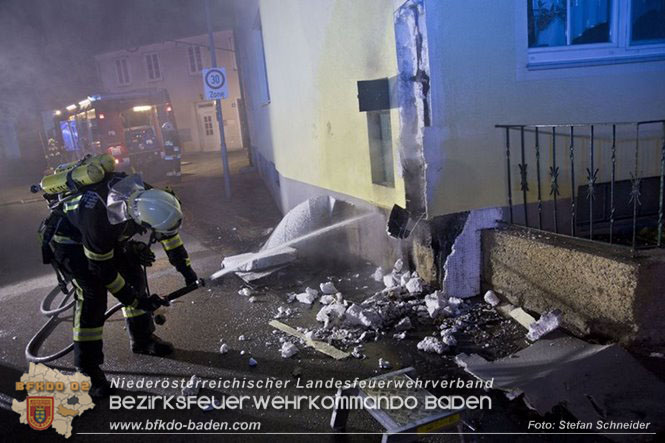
380,148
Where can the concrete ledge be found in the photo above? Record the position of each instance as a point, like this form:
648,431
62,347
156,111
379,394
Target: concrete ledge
603,290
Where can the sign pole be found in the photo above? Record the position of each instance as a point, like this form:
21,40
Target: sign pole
218,107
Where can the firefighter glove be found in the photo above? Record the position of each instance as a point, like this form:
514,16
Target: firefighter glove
151,303
142,252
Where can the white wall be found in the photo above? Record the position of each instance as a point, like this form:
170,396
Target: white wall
478,51
185,89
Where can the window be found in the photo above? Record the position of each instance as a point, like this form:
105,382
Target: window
195,60
207,124
261,72
122,71
380,147
582,32
152,66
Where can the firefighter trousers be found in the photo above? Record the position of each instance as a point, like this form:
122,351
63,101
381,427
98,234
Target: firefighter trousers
91,302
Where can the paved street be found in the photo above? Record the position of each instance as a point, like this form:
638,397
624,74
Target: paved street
196,323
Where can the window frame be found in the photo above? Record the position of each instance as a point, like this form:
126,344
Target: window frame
192,52
618,50
122,71
152,56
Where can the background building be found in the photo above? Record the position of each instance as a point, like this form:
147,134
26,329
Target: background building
176,66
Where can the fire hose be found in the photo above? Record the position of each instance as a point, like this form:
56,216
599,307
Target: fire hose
32,348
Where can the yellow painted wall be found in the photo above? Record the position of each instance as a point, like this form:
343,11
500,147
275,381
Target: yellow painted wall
315,53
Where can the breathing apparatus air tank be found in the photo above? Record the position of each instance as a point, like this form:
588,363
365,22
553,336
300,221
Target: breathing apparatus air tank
70,176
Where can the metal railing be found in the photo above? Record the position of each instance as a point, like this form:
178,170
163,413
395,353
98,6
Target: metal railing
583,143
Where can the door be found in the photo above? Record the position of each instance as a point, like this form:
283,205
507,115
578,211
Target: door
208,127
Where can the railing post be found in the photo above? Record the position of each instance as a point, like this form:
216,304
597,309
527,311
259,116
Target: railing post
635,189
554,174
572,181
510,191
660,194
592,175
524,184
540,197
612,180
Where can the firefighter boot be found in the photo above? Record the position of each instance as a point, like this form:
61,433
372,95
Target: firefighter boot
99,385
152,345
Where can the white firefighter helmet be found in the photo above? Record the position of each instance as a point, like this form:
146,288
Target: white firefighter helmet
155,209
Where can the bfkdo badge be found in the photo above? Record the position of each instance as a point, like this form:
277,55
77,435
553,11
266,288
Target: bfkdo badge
40,412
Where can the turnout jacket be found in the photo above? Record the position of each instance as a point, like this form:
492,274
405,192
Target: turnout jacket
86,222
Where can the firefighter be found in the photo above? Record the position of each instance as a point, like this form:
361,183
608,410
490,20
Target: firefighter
93,247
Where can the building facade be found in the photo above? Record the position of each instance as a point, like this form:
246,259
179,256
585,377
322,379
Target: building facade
176,66
398,102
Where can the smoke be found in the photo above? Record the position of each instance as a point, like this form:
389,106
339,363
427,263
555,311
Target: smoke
47,47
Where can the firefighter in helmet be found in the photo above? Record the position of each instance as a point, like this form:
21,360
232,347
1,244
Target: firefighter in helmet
93,247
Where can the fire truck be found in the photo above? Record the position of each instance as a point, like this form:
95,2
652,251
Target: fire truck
137,128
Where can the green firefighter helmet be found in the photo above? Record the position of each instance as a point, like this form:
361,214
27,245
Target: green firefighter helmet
155,209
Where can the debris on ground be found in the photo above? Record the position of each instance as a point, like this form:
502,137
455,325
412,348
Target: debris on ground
246,292
491,298
283,312
547,323
308,296
288,349
358,352
657,355
192,386
414,285
404,324
327,299
252,362
432,344
398,266
252,299
224,348
378,274
593,382
400,336
328,288
324,348
242,338
384,364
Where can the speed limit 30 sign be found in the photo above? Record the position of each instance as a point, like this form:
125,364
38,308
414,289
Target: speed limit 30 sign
215,83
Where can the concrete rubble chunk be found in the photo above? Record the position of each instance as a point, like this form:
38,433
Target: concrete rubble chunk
283,312
242,338
224,349
400,336
327,299
368,318
448,338
378,274
384,364
246,292
656,355
414,285
328,288
547,323
252,299
491,298
288,349
404,279
307,297
432,345
389,281
404,324
399,264
252,362
435,303
331,314
358,352
192,387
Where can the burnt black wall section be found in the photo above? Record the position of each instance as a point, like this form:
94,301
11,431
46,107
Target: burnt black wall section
444,231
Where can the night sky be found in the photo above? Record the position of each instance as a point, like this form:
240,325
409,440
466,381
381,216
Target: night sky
47,46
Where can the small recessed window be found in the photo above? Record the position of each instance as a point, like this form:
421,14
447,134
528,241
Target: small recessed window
122,71
380,147
195,60
152,66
